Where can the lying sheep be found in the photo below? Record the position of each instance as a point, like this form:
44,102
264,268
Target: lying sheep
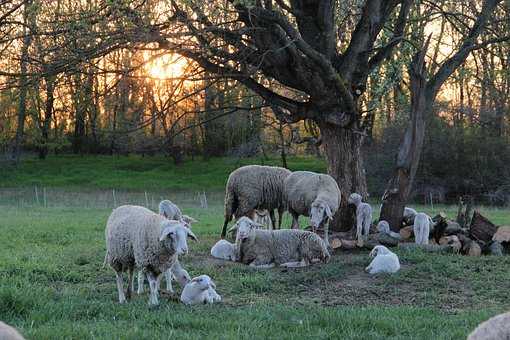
384,261
421,228
363,217
254,187
288,248
171,211
314,195
384,228
137,237
9,333
496,328
223,250
200,290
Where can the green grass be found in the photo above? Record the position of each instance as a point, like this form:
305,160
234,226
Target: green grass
134,172
53,286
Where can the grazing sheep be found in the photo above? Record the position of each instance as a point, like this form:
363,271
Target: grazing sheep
384,228
171,211
223,250
200,290
384,261
254,187
314,195
363,216
421,228
288,248
137,237
9,333
496,328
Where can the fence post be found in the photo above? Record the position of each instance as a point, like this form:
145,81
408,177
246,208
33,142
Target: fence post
36,195
146,200
45,202
114,199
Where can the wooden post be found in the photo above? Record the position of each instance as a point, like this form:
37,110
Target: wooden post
36,196
114,199
44,198
146,200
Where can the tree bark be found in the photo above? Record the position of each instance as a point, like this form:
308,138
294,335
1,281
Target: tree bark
48,114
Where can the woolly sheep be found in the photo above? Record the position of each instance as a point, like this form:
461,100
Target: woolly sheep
496,328
223,250
254,187
363,216
242,228
421,228
384,261
171,211
137,237
384,228
311,194
9,333
261,217
288,248
200,290
175,273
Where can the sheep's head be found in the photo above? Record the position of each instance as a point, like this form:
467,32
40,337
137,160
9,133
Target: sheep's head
383,227
244,227
182,277
188,220
174,237
379,250
320,213
354,198
203,282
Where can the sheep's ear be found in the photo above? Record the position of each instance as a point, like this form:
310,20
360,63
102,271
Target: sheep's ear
168,231
191,235
328,212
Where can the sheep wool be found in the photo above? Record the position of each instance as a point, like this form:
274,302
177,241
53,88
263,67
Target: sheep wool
9,333
384,261
496,328
170,210
223,250
363,216
200,290
421,228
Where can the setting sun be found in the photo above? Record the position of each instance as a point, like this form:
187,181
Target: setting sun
166,67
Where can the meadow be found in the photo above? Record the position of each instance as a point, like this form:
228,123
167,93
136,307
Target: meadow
53,285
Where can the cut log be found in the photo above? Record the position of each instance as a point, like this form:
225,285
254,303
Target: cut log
502,235
407,232
481,228
380,239
453,241
335,243
429,248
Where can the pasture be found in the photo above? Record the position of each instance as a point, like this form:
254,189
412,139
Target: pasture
53,286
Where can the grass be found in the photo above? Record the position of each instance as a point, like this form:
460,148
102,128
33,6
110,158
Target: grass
52,286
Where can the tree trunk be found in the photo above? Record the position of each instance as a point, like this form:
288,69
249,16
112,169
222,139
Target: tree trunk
48,113
345,164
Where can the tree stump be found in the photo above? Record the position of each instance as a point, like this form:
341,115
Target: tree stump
481,228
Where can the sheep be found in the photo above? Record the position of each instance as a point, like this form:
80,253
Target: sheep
421,228
311,194
254,187
223,250
138,237
496,328
384,228
384,261
175,273
363,217
171,211
287,248
261,217
200,290
9,333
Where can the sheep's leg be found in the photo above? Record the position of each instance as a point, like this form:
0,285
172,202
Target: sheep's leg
153,286
417,234
295,220
131,281
141,279
224,230
368,223
168,278
273,220
120,287
326,234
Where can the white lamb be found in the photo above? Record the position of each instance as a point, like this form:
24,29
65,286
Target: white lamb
363,217
171,211
9,333
223,250
384,261
200,290
384,228
496,328
421,228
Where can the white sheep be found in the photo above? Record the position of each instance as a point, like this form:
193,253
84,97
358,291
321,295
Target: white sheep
175,273
223,250
311,194
363,217
288,247
384,261
496,328
9,333
200,289
137,237
254,187
171,211
409,213
421,228
384,228
242,228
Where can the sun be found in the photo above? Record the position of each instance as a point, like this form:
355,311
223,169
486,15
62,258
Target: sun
167,67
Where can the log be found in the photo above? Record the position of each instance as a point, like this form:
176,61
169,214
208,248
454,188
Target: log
481,228
452,228
429,248
496,249
380,239
502,235
453,241
348,244
407,232
335,243
473,249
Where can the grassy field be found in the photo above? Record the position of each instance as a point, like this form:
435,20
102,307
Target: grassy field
52,286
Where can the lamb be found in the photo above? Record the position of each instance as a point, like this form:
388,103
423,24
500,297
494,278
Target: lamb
9,333
421,228
175,273
312,194
384,261
384,228
363,217
496,328
254,187
200,290
287,248
138,237
242,228
223,250
171,211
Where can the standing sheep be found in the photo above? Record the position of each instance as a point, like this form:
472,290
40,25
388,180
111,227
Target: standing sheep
171,211
363,217
384,261
9,333
137,237
421,228
254,187
496,328
200,290
311,194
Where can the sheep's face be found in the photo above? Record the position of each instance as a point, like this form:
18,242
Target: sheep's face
379,250
182,277
174,237
203,282
354,198
244,227
320,213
